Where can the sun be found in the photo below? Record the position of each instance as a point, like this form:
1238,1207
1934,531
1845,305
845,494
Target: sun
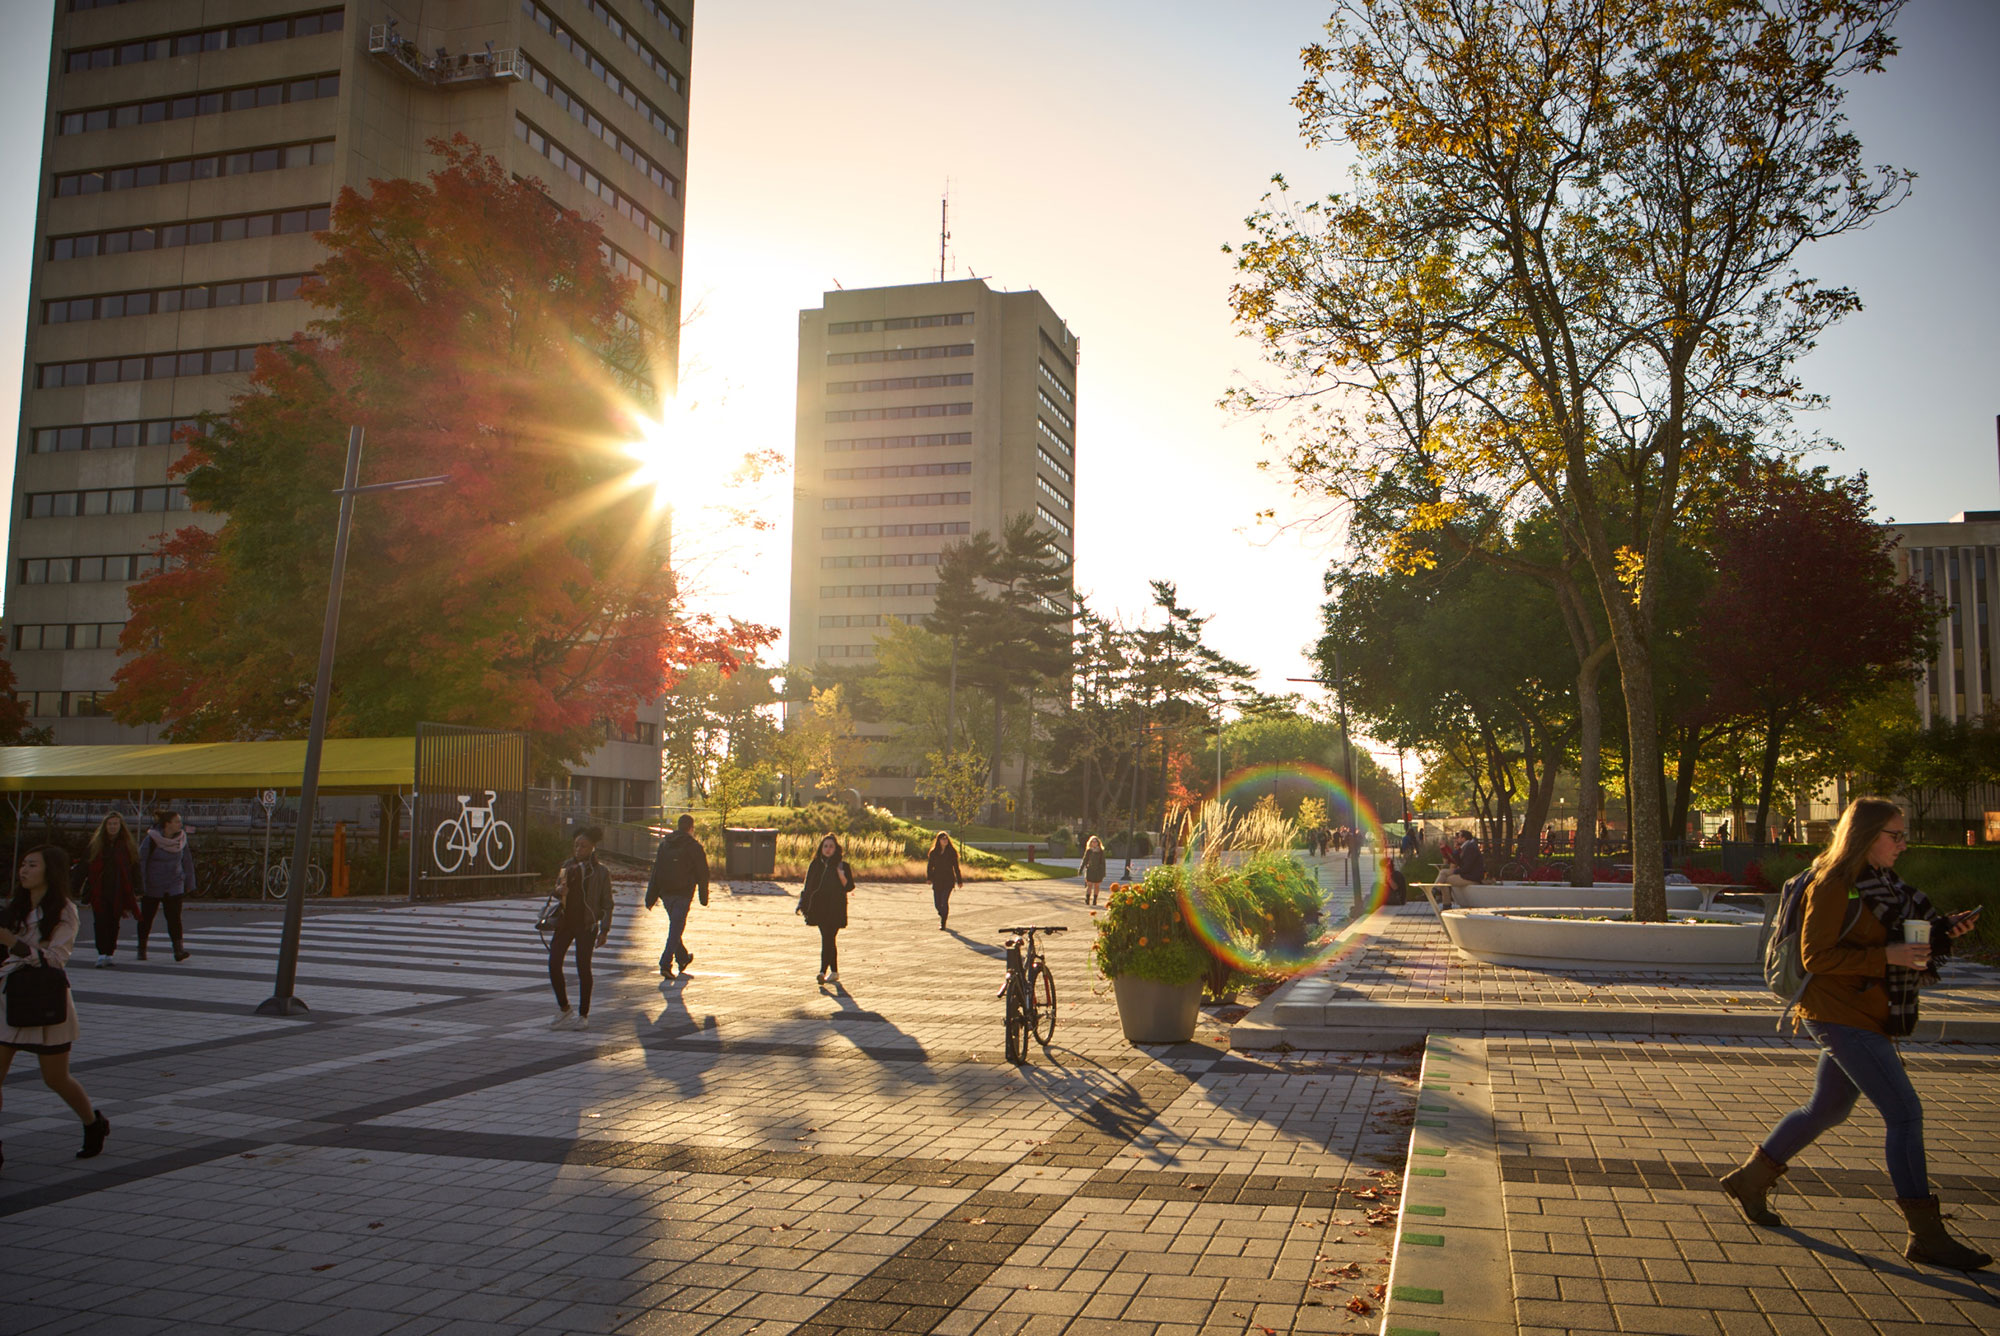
659,456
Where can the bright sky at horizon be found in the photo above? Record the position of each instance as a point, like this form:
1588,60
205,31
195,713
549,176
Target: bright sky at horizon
1103,153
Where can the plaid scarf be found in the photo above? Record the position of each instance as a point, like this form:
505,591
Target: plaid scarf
1892,901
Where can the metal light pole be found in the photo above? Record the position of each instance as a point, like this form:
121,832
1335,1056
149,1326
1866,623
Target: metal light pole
1347,766
282,1002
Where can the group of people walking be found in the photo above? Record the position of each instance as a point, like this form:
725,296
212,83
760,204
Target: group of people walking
139,878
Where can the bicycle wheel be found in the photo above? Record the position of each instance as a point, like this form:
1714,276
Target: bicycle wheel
1017,1020
315,879
500,846
448,847
278,881
1044,984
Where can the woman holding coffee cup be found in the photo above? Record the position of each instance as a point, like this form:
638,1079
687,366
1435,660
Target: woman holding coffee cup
1868,940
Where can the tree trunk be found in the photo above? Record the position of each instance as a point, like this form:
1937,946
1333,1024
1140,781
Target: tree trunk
951,703
1590,765
1642,771
1767,774
993,766
1027,760
1691,740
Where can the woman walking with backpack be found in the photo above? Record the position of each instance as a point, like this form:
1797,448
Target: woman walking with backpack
944,875
110,880
823,903
1865,967
583,920
166,875
1093,871
37,932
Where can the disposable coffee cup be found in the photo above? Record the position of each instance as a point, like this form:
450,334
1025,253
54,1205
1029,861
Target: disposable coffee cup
1917,930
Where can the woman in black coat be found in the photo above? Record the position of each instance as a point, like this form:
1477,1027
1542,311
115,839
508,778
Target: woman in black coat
944,876
823,902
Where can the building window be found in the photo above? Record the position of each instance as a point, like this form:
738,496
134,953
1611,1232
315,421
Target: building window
1062,390
200,40
103,501
898,383
878,591
1056,467
900,322
1049,434
914,411
565,161
847,651
901,354
874,619
1054,495
276,157
157,366
110,435
880,502
85,635
626,267
580,112
897,530
162,301
166,236
901,442
595,63
1062,359
1054,408
91,570
248,97
880,559
1042,513
899,471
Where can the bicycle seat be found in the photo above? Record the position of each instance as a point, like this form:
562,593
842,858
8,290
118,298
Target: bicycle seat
1046,927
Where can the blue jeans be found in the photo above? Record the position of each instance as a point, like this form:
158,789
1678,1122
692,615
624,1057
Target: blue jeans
1855,1062
677,907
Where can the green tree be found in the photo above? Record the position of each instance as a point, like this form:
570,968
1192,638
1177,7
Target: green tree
735,786
960,783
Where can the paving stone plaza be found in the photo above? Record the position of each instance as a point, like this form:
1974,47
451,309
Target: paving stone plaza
748,1151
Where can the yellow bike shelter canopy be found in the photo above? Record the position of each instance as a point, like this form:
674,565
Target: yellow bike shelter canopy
347,766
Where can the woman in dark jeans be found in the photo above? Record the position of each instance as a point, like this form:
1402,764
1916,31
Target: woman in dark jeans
944,876
584,921
111,881
1861,998
823,902
166,875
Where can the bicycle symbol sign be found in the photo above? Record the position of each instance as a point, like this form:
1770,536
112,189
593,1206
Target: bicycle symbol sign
474,832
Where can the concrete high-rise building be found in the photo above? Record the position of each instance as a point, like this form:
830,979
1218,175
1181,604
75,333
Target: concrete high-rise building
190,151
1959,562
926,413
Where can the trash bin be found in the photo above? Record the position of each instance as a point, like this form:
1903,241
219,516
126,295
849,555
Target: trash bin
749,851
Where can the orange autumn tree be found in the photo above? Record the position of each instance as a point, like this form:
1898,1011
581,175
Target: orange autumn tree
474,329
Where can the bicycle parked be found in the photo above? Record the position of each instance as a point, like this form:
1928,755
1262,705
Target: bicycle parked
278,881
1030,991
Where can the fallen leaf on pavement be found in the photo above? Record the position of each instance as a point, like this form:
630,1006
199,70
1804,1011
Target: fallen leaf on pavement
1358,1305
325,1266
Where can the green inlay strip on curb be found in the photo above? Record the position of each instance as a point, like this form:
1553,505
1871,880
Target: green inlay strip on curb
1432,1150
1424,1240
1435,1108
1432,1122
1426,1171
1410,1331
1412,1208
1416,1294
1437,1085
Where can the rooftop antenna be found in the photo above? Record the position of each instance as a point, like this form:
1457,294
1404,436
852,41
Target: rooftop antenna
944,228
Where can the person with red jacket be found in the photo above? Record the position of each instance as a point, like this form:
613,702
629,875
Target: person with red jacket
111,881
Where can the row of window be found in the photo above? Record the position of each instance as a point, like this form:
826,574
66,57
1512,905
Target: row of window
1067,396
912,411
204,39
898,383
1042,513
874,619
248,97
900,471
900,322
1051,405
643,731
608,76
91,570
76,6
165,301
276,157
580,112
877,591
1053,349
1050,489
626,266
652,59
879,559
1049,433
104,501
901,354
568,162
847,651
1051,461
891,502
85,635
110,435
160,366
65,704
167,236
659,12
896,530
900,442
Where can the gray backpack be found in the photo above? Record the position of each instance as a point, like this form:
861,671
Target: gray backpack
1784,968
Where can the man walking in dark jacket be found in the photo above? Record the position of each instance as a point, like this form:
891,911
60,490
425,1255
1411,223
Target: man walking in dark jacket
679,869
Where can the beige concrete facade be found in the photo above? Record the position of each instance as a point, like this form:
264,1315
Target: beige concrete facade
1957,561
926,413
243,119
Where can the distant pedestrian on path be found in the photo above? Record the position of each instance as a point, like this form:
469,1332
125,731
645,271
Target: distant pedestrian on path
166,875
1093,871
1860,998
679,870
945,876
111,882
823,902
38,930
585,920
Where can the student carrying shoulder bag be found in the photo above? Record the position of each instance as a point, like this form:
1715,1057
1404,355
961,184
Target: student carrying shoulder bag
1784,966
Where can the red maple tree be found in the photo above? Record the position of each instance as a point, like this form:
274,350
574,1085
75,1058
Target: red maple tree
475,330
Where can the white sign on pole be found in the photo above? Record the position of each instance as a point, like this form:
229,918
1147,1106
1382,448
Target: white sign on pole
269,799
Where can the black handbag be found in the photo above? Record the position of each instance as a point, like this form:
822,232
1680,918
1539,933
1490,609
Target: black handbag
37,995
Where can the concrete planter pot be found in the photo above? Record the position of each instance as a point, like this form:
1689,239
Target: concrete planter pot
1614,897
1542,939
1156,1013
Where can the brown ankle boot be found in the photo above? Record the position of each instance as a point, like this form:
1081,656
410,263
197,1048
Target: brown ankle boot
1749,1183
1931,1242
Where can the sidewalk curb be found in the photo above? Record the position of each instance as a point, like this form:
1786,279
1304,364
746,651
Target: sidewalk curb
1387,1025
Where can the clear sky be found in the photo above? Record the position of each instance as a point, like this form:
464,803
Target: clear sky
1103,151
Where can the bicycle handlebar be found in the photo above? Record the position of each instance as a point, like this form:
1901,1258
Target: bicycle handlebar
1049,928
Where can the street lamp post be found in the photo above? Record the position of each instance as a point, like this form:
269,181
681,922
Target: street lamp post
282,1001
1347,765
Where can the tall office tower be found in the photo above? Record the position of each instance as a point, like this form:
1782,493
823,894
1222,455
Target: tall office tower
1958,561
187,161
926,414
